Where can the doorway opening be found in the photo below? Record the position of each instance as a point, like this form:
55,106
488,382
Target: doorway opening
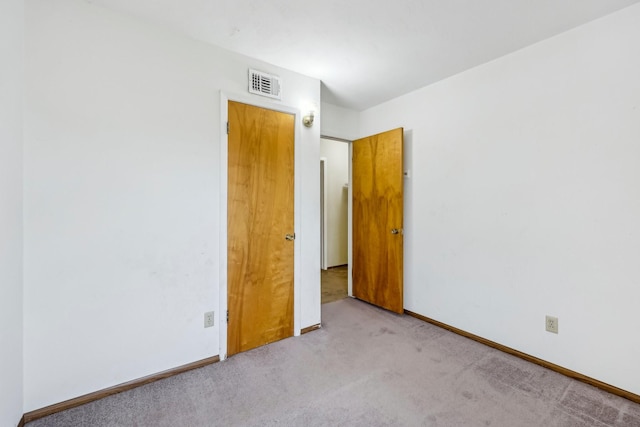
334,223
375,215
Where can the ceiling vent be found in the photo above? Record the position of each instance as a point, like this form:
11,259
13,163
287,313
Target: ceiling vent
265,84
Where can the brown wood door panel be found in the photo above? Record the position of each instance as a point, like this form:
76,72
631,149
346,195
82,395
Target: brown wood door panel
260,213
378,209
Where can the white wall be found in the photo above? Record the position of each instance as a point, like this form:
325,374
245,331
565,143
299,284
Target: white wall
525,197
337,175
11,69
339,122
122,197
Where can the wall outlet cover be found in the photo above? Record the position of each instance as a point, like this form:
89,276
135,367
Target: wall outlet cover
208,319
551,324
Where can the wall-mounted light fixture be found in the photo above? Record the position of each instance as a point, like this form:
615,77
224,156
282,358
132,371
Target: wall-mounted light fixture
307,120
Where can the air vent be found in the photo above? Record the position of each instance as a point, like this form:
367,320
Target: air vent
264,84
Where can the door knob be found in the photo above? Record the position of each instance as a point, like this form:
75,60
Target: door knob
396,231
290,236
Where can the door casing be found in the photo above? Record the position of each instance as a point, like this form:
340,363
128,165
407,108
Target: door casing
223,295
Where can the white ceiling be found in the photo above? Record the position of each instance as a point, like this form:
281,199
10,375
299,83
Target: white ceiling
369,51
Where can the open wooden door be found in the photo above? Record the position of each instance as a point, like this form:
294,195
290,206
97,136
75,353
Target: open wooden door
378,220
260,225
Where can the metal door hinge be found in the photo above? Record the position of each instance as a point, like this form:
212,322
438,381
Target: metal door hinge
227,316
227,128
290,236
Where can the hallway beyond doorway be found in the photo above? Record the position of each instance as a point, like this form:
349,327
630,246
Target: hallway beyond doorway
334,283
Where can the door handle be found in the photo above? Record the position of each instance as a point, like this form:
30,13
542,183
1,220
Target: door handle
290,236
397,231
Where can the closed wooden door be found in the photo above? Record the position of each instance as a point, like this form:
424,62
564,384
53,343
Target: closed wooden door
378,220
260,226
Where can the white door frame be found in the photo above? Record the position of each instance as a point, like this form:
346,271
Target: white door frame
323,214
224,156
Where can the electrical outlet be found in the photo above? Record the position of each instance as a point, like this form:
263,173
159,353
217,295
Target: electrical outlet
551,324
208,319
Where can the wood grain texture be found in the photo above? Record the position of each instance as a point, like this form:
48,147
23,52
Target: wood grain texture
557,368
22,422
72,403
377,209
260,214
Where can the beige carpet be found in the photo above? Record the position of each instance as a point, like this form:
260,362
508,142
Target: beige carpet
365,367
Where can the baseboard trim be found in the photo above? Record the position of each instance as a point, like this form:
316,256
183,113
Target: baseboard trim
557,368
22,421
96,395
310,328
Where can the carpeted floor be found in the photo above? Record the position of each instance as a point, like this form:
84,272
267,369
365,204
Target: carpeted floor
334,284
365,367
